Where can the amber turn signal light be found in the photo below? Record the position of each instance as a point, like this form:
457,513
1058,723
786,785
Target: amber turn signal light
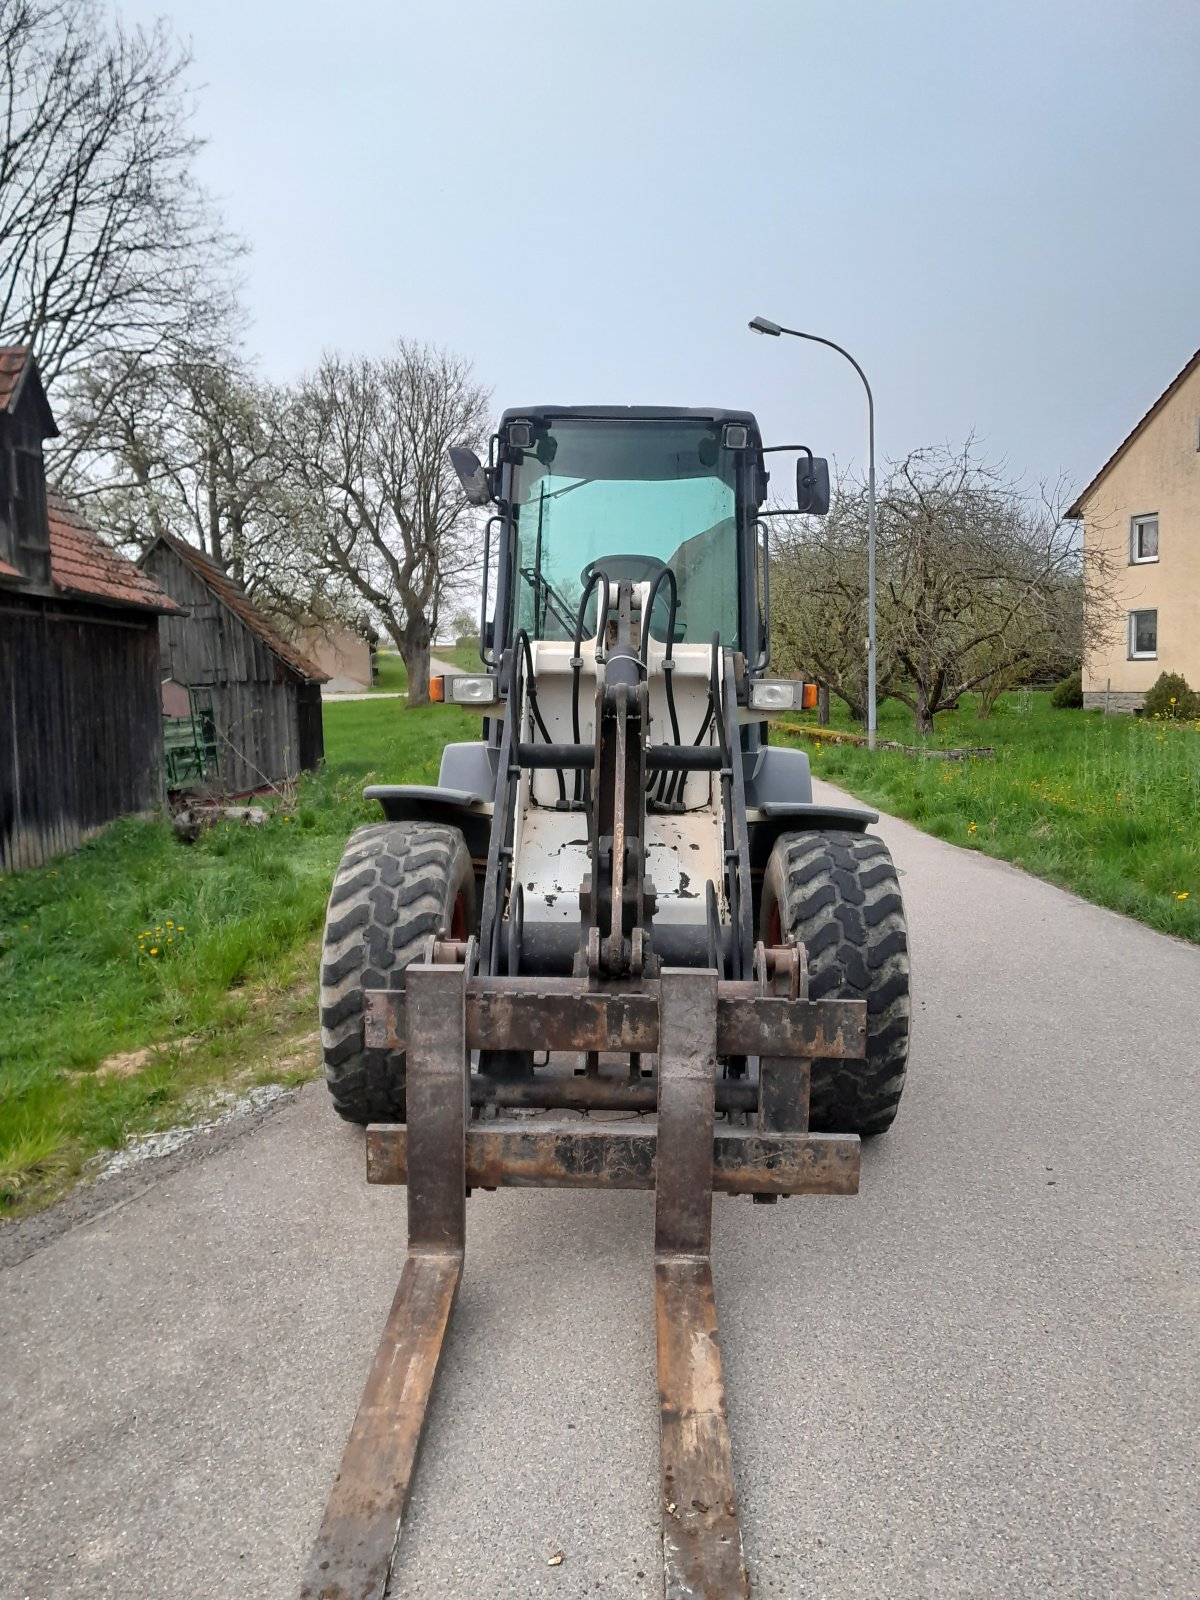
437,690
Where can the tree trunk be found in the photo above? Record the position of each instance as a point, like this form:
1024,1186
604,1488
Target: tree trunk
922,715
413,644
823,705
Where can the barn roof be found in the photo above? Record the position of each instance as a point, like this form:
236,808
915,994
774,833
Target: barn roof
18,370
234,598
1180,378
82,564
9,574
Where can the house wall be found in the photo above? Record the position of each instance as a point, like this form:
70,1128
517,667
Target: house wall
261,736
1160,472
343,656
80,723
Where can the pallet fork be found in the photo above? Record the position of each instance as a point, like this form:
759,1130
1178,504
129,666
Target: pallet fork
686,1017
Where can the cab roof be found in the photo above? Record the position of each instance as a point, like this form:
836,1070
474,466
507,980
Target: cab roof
714,414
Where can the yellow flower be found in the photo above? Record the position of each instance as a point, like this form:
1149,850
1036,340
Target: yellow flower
1182,896
971,828
153,949
179,929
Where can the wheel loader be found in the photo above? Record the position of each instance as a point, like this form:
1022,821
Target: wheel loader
621,896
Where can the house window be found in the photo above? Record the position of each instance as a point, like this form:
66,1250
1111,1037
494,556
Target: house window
1143,634
1143,538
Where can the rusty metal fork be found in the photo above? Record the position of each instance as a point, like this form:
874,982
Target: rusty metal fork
702,1539
353,1555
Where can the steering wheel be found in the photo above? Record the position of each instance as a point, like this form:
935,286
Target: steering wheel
637,569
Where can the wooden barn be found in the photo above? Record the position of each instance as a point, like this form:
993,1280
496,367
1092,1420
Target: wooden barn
80,708
265,694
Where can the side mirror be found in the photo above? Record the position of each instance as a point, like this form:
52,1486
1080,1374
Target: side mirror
472,475
812,485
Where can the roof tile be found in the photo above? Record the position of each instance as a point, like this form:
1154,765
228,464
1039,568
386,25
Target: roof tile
82,564
13,360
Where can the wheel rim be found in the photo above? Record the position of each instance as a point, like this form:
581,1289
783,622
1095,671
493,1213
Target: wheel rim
458,918
774,927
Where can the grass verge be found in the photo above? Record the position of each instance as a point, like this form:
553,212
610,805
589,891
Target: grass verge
205,952
1107,807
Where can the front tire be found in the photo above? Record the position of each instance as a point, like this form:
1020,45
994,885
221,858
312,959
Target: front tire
399,884
838,894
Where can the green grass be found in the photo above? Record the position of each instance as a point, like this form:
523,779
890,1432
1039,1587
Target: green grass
391,676
464,656
1106,807
206,950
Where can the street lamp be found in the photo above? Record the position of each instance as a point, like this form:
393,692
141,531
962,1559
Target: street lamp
765,325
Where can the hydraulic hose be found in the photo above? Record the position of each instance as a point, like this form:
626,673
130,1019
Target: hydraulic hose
599,576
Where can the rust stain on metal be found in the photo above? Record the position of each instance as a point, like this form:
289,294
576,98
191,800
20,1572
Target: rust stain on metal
563,1015
576,1155
353,1553
702,1540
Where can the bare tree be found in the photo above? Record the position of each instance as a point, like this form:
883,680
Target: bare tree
193,447
382,509
106,240
819,598
979,584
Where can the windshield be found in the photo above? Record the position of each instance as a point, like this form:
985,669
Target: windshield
628,497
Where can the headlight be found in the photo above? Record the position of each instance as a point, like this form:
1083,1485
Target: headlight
471,689
782,694
774,694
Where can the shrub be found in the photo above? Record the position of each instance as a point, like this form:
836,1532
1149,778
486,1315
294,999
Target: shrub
1171,697
1068,693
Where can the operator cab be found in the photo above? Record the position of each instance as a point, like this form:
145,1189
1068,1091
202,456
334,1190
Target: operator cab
627,491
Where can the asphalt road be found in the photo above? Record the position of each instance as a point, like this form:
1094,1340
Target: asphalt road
980,1378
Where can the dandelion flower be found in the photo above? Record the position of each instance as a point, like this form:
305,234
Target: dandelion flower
153,949
972,827
1182,896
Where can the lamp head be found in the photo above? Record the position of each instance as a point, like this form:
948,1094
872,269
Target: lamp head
765,325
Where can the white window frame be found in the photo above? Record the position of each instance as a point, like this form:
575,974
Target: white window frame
1135,527
1134,653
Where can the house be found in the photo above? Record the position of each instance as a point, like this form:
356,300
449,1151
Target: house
345,655
80,716
1143,509
261,694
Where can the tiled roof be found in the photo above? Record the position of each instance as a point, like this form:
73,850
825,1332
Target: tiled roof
82,564
9,572
12,364
235,600
1076,510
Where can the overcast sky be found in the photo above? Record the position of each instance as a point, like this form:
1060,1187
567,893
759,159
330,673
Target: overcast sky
994,206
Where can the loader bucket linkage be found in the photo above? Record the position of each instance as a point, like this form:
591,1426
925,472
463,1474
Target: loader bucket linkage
602,952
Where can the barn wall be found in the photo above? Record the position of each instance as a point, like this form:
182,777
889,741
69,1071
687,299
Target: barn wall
80,723
263,735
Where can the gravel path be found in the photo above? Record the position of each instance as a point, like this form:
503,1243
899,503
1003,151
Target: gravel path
979,1379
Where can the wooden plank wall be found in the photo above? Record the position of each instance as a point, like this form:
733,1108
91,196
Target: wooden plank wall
263,736
80,723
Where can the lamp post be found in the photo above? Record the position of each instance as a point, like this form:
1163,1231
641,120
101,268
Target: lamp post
765,325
